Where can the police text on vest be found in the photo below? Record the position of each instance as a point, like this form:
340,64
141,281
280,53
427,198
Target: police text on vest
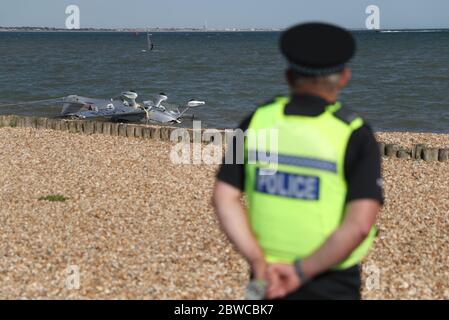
288,185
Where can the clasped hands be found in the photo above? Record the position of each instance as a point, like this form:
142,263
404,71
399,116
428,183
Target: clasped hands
281,278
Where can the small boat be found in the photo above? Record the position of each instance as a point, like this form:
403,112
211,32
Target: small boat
125,108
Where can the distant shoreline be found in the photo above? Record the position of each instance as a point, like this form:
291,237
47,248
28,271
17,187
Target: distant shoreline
161,30
139,30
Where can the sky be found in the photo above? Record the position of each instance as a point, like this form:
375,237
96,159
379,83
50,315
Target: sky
221,14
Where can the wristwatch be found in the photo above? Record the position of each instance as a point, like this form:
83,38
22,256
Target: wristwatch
299,272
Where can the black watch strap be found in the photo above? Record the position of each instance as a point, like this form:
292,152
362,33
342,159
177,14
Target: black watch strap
299,272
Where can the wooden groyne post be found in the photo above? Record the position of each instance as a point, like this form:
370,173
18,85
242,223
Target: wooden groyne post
163,133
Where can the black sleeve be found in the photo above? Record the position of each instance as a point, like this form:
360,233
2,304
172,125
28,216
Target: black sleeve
234,174
362,166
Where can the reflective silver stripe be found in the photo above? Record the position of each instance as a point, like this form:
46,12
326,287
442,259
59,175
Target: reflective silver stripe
297,161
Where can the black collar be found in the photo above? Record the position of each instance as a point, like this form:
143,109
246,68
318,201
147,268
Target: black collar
305,105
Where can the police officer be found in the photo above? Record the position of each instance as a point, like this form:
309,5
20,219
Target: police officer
310,222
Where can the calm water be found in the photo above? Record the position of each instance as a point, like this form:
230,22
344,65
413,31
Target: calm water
400,80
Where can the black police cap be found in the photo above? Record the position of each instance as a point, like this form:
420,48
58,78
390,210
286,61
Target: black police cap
317,49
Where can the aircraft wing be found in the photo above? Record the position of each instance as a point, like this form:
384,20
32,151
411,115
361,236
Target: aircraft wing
84,108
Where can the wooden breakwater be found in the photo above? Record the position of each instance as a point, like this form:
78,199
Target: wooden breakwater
163,133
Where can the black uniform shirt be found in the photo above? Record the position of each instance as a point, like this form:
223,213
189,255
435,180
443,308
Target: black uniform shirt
362,158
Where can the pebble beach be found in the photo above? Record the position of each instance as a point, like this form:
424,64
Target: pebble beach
139,227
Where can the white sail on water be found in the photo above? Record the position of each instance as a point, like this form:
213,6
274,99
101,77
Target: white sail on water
150,44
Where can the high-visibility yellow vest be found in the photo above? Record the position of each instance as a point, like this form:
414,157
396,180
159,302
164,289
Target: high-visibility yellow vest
296,203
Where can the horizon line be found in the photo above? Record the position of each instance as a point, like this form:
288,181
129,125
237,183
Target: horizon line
199,28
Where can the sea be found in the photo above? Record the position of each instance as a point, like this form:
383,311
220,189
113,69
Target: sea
400,80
